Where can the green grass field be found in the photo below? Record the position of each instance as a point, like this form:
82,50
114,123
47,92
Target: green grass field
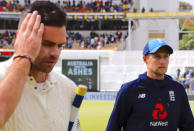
94,115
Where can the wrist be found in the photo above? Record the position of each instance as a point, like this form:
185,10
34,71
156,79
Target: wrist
22,65
24,57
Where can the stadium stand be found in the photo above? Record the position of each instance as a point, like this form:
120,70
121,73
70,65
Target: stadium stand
74,6
13,5
102,41
76,40
186,77
94,40
6,39
96,6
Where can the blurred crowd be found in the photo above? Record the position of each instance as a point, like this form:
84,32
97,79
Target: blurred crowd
73,5
6,39
95,6
11,5
186,78
93,41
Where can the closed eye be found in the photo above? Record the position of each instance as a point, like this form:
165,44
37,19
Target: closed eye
50,43
61,45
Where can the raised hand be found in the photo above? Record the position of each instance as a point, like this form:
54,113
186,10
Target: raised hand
29,36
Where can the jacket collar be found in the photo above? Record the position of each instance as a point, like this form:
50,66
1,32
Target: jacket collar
153,82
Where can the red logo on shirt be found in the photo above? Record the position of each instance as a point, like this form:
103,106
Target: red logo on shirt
159,112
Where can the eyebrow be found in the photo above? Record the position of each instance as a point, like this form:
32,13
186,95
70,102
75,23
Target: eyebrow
53,43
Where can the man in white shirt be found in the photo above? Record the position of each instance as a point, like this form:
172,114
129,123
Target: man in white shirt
32,96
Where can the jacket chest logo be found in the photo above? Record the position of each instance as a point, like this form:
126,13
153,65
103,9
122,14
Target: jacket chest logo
159,115
141,96
159,112
171,95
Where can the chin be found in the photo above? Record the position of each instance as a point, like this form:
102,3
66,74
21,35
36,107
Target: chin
47,70
162,73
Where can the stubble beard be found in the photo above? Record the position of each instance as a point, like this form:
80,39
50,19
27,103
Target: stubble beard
159,73
40,68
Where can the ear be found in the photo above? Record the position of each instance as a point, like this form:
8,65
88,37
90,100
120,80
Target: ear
144,59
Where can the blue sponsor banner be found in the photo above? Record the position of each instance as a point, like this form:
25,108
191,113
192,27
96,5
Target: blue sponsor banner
100,96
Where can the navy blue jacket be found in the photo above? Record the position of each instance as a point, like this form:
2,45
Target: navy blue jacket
147,104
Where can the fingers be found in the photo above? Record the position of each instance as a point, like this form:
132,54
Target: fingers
28,40
36,24
24,23
41,30
32,20
32,25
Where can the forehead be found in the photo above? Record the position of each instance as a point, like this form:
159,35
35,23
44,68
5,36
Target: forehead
54,34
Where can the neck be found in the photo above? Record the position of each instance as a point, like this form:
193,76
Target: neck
39,76
155,76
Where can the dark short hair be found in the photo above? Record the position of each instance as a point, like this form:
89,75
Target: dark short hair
51,14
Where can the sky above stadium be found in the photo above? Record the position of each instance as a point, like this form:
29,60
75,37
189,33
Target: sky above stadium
189,1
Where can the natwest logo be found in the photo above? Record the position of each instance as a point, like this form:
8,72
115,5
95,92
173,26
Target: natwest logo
159,112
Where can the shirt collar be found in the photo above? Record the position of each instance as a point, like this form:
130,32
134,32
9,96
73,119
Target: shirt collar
44,87
50,79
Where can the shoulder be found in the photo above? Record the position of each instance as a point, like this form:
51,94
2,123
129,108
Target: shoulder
128,93
62,77
63,80
178,87
173,82
64,84
137,83
130,87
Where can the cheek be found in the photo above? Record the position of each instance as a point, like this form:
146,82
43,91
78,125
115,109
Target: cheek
41,55
43,51
150,61
167,62
152,64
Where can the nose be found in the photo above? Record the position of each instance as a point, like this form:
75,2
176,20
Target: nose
163,60
55,52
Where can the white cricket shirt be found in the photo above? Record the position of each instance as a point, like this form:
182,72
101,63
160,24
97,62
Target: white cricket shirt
42,107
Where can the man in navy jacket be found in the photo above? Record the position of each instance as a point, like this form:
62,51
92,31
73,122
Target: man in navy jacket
152,102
